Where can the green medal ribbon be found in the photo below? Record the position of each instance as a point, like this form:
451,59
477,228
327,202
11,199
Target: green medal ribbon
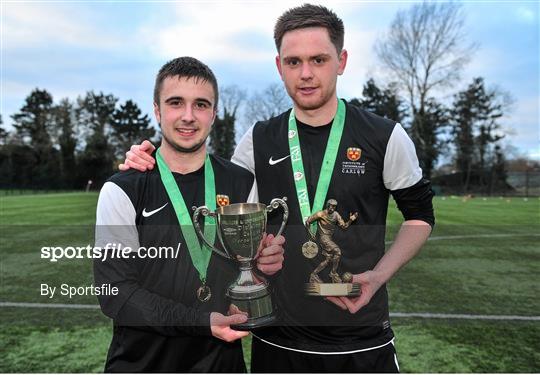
327,167
200,255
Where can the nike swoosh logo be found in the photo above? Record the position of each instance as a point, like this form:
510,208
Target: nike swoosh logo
147,214
273,162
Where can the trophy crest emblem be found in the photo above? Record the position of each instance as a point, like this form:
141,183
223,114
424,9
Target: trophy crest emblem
222,200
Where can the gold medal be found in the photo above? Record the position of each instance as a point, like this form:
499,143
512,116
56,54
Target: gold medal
204,293
310,249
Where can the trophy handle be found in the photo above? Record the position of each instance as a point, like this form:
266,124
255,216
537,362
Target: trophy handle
275,203
206,212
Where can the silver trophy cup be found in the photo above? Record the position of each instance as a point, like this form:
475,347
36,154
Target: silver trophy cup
240,229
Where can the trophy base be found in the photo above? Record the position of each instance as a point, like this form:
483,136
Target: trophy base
333,289
256,303
255,323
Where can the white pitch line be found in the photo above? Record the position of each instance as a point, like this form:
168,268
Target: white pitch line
491,235
48,305
459,237
463,316
393,315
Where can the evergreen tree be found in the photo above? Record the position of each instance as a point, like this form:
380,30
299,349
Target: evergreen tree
498,170
129,127
464,114
33,121
18,165
65,128
33,125
3,133
5,162
383,102
222,135
428,124
476,131
95,114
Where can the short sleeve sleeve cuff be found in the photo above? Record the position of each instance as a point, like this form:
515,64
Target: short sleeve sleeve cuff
401,166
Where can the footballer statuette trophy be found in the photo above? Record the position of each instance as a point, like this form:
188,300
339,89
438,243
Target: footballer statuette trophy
240,228
328,220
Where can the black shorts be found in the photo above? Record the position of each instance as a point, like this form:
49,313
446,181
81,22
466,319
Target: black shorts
267,358
137,351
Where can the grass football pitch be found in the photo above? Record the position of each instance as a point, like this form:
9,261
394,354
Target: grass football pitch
481,267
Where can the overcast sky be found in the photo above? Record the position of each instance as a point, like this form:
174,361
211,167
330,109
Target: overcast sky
69,48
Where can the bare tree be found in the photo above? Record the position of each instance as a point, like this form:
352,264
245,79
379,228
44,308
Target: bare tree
230,99
267,103
425,49
222,135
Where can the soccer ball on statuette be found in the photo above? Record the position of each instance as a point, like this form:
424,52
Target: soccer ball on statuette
347,277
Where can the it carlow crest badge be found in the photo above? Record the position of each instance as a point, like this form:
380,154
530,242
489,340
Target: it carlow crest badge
354,153
222,200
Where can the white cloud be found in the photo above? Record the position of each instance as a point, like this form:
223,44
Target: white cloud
361,62
27,25
16,89
234,38
525,118
218,31
242,33
525,14
210,35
